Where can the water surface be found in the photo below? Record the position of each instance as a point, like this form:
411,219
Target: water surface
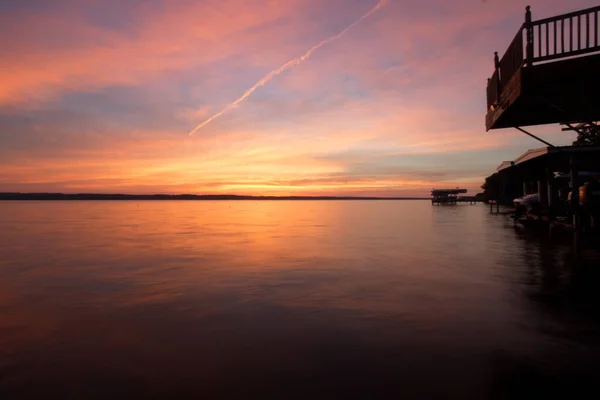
288,299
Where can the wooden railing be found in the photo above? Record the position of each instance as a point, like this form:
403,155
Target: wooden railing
565,35
512,59
548,39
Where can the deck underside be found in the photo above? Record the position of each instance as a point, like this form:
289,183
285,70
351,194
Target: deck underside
555,92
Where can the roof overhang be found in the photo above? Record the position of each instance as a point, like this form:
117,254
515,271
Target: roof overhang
557,158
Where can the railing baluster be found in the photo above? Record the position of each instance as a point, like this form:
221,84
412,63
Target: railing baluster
579,32
596,28
562,35
547,39
587,31
529,37
539,40
570,33
555,40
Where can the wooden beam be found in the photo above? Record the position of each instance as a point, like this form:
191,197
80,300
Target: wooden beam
535,137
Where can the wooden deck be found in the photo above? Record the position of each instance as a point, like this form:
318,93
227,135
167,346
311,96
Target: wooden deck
549,74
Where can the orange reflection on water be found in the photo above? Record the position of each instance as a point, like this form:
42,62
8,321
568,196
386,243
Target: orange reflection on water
163,296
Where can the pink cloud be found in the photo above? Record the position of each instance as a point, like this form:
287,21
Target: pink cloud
182,35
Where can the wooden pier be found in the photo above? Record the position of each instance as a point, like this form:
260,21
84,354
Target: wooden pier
451,196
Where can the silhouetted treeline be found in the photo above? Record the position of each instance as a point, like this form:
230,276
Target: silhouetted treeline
98,196
494,188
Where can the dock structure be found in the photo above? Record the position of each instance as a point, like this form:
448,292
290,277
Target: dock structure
556,175
449,196
550,75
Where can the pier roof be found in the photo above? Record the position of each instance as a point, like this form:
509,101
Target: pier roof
555,159
504,165
445,192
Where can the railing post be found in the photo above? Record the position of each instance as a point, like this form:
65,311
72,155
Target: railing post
529,28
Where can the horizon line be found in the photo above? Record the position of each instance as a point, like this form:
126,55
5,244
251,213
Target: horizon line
189,196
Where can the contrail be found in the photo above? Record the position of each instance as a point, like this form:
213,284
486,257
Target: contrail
265,79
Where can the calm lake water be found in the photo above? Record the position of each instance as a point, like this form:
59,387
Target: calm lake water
289,299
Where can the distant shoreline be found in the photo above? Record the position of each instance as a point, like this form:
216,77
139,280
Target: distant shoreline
97,196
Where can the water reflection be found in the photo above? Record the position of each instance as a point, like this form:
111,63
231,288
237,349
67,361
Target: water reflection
287,299
561,291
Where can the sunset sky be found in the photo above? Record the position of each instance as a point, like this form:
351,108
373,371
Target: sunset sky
100,95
